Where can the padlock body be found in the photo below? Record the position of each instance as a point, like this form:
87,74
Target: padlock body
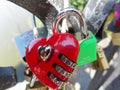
87,50
55,70
116,39
101,63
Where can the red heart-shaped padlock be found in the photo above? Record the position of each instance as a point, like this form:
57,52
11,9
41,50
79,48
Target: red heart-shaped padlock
53,60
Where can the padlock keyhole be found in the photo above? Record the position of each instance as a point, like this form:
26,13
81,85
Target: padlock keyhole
45,52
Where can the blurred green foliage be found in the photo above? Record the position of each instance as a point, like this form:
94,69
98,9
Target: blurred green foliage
79,4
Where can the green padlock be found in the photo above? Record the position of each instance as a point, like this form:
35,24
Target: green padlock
74,20
88,51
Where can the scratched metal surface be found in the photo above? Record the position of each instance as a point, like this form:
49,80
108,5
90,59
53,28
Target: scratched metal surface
96,12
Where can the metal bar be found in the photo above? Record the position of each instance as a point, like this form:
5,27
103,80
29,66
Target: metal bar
32,82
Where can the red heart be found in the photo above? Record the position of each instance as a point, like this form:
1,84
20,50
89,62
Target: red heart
53,59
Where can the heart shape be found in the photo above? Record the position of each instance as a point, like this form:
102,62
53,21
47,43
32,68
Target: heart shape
52,60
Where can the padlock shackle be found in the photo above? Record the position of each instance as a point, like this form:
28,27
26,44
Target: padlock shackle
73,12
